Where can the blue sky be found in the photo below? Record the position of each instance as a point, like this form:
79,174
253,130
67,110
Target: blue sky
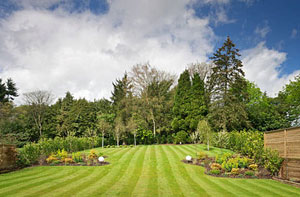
82,46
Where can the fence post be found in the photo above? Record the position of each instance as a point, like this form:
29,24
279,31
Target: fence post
285,154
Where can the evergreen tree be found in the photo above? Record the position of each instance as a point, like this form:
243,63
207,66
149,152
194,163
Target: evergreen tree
8,90
198,104
182,103
228,89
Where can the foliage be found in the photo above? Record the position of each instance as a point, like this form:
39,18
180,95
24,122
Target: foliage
205,132
29,154
249,173
77,157
215,166
214,172
253,167
235,171
93,155
181,137
8,91
272,161
227,89
201,155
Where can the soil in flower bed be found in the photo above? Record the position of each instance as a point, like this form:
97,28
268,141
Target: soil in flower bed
261,173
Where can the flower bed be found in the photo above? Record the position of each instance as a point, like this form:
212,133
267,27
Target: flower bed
63,158
228,165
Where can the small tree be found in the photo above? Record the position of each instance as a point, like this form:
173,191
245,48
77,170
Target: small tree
205,132
103,124
132,127
119,128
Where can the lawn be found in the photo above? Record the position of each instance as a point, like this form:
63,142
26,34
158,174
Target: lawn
143,171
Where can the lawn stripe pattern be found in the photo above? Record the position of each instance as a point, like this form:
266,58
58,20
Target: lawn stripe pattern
154,170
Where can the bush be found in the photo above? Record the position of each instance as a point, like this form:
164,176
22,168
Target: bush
272,161
29,154
51,159
253,167
250,144
235,171
77,157
230,164
215,166
201,155
249,173
62,154
214,172
220,159
92,155
182,137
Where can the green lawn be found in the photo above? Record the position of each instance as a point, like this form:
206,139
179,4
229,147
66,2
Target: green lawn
142,171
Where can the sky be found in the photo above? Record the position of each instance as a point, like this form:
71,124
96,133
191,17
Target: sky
83,46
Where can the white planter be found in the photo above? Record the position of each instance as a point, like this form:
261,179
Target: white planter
101,159
188,158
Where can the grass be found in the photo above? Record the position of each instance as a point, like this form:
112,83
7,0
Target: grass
143,171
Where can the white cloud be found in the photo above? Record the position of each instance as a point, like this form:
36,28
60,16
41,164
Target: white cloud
84,53
294,33
263,31
263,66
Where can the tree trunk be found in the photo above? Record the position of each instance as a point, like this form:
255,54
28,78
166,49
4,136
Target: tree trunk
135,139
102,139
154,126
118,140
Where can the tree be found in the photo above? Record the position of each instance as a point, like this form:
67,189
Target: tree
227,89
8,90
153,87
38,101
182,103
119,129
104,124
205,132
64,121
290,97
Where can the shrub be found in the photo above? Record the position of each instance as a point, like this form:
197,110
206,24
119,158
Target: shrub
181,136
223,158
215,166
77,157
92,155
231,163
253,167
29,154
51,159
272,161
62,154
243,162
201,155
235,171
249,173
68,160
214,172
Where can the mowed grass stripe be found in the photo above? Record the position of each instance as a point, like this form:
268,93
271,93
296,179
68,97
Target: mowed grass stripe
168,173
191,187
86,181
19,174
129,179
30,184
65,180
45,173
255,185
144,178
208,182
114,185
152,186
198,189
109,175
278,188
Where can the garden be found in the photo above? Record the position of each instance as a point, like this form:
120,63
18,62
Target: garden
150,170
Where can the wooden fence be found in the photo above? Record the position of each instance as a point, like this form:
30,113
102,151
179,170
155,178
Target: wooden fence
7,156
287,143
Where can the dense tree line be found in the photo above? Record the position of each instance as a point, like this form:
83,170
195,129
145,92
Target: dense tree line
150,106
